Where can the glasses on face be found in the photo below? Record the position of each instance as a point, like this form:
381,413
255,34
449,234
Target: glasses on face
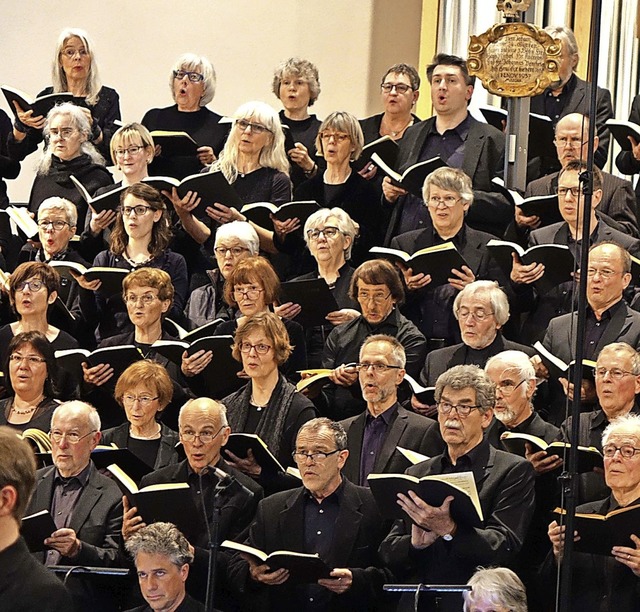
29,359
71,53
615,373
378,368
626,450
132,150
563,191
144,400
463,410
448,201
57,225
399,87
188,435
507,387
479,314
606,273
139,210
146,298
34,285
62,133
72,438
571,143
250,294
327,232
256,128
261,349
376,298
234,251
337,136
194,77
317,457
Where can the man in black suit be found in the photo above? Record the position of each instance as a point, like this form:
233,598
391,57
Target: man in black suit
461,142
24,584
447,195
628,162
86,506
429,546
329,516
374,435
203,432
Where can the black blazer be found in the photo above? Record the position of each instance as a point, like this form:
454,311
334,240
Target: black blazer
625,161
358,531
407,429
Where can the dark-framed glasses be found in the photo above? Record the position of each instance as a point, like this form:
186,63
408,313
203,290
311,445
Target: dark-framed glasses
194,77
57,225
401,88
626,450
235,251
328,232
376,298
252,294
139,210
256,128
337,136
463,410
132,150
574,191
35,285
143,400
261,349
448,201
317,457
379,368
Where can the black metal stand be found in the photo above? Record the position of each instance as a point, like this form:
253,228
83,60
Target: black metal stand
213,529
418,589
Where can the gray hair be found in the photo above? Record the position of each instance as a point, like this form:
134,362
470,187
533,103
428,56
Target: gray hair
343,122
625,424
468,377
205,404
300,68
243,232
345,223
58,75
498,585
566,35
80,122
160,539
93,418
497,298
450,179
57,203
335,428
196,63
398,354
625,349
514,360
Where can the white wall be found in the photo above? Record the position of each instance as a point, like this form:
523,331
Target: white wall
138,41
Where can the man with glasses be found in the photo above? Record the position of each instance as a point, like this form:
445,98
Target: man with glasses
203,431
85,505
375,434
429,546
327,515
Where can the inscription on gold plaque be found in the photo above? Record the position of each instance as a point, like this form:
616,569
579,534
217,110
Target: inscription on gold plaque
515,60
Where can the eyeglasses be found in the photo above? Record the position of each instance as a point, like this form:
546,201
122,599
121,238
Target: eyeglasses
376,367
139,210
62,133
317,457
479,314
448,201
327,232
32,285
615,373
463,410
72,438
205,436
399,87
572,143
256,128
144,400
626,450
194,77
606,273
251,294
71,53
563,191
30,359
337,136
261,349
132,150
57,225
507,387
146,299
377,298
235,251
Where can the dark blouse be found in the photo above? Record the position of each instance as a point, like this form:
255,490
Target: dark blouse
41,418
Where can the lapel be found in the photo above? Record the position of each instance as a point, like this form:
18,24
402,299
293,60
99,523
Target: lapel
575,102
457,357
395,432
481,472
291,523
472,248
346,528
88,499
43,495
616,328
418,136
355,435
472,148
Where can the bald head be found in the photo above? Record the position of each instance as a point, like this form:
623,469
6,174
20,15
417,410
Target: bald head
572,136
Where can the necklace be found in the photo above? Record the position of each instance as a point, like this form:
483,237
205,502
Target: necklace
23,412
259,407
398,132
151,437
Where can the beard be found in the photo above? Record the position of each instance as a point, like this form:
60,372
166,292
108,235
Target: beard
504,415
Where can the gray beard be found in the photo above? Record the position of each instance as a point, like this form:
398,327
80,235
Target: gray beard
505,416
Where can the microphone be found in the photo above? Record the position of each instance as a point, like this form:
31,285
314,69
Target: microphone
226,480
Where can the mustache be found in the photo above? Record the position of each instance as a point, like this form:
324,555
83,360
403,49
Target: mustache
451,424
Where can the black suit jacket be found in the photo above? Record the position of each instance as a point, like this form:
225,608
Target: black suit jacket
625,162
358,531
407,429
483,160
618,204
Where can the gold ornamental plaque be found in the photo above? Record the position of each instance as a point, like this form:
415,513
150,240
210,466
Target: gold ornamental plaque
515,60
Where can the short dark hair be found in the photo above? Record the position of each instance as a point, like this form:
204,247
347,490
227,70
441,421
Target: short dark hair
577,165
17,469
378,272
444,59
48,275
42,346
407,69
